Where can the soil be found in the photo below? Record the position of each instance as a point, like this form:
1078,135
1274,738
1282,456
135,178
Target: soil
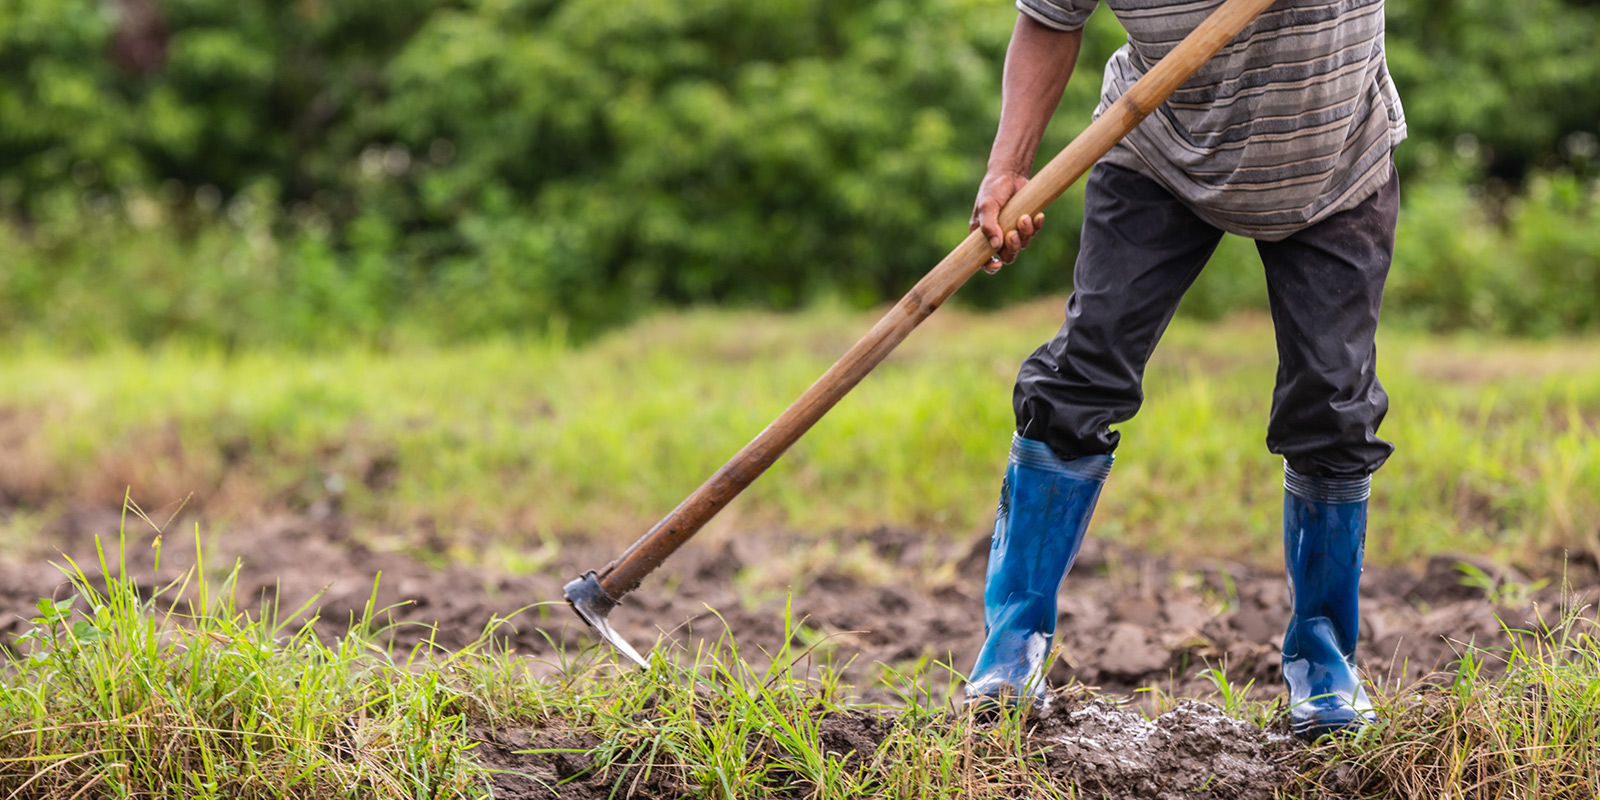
1128,621
1194,750
1107,751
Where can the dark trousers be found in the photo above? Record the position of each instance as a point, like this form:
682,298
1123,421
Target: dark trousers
1141,250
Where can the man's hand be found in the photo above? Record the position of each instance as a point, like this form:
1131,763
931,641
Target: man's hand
998,186
1038,62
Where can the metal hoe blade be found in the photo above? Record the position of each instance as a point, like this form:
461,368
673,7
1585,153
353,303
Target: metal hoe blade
593,604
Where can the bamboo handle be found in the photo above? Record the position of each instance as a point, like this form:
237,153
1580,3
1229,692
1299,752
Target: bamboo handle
643,556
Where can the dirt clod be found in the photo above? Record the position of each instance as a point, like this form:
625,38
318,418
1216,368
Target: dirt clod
1129,654
855,735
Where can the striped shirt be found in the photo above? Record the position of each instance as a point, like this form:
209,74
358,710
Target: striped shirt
1291,122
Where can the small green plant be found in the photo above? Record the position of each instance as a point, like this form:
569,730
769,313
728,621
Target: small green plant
1235,698
1499,590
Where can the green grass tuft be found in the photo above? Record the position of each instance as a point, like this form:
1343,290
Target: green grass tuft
125,690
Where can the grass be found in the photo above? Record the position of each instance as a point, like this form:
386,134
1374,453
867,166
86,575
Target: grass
508,448
718,727
126,690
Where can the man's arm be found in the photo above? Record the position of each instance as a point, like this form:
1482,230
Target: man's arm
1039,61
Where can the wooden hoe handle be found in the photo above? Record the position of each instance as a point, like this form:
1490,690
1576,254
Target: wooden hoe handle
642,557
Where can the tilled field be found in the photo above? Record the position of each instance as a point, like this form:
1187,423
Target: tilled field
1128,621
1194,750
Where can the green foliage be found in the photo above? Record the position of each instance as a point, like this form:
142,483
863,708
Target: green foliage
1513,85
1535,273
316,172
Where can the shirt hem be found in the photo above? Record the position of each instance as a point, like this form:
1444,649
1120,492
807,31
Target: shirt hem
1126,157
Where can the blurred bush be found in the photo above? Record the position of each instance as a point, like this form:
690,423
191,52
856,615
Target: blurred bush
312,172
1536,272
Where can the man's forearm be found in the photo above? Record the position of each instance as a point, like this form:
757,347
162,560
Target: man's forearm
1038,63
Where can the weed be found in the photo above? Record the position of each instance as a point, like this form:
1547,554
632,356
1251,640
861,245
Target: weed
1498,590
1234,697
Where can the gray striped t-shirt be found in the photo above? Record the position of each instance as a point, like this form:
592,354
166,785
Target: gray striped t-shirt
1291,122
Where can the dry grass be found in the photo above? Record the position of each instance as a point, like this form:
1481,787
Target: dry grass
1521,722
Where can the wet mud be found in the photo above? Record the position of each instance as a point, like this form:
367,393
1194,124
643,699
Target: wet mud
1194,750
1128,621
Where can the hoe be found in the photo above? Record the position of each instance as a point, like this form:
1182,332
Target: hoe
595,594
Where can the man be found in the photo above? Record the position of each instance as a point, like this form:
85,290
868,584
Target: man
1285,137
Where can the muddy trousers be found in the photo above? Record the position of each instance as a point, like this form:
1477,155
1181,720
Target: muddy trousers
1141,250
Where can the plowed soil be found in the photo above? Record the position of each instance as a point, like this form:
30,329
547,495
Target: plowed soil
1127,620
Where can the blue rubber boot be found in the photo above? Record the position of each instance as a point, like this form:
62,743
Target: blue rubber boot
1324,534
1045,504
